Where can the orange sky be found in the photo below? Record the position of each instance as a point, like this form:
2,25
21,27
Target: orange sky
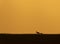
27,16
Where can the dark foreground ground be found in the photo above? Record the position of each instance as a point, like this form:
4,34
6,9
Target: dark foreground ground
29,38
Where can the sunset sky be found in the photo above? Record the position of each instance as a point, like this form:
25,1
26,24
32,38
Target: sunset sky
29,16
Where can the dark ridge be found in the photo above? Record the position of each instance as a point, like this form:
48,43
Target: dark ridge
29,38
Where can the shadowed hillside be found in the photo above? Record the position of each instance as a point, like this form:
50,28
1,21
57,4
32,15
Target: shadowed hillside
30,38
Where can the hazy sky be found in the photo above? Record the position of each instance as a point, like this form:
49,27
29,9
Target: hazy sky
27,16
